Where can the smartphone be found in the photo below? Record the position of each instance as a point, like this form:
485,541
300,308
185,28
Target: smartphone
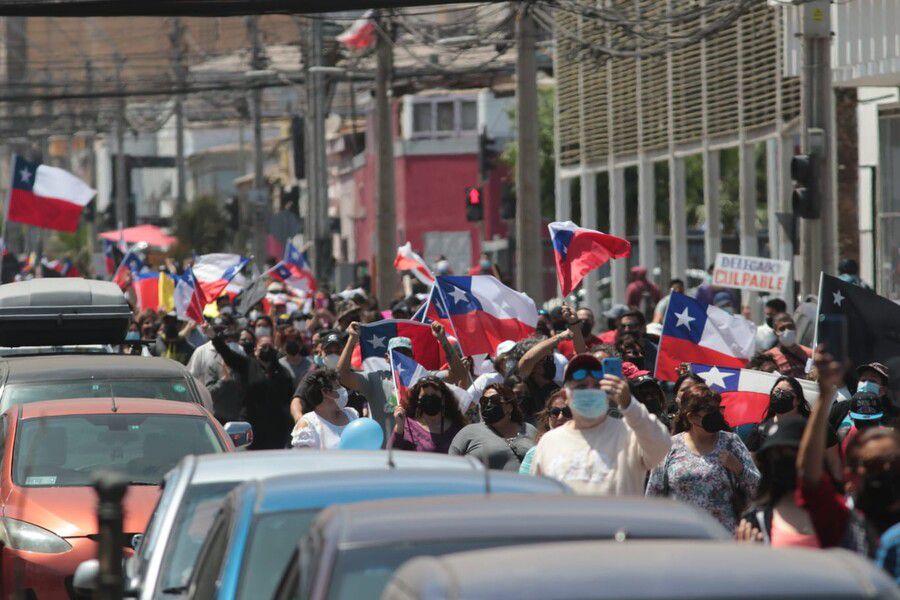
832,333
612,366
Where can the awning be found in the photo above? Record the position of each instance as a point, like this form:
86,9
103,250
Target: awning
149,234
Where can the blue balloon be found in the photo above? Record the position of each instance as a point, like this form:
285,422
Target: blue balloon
362,434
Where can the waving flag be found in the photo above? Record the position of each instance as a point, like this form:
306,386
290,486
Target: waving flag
46,196
374,338
695,333
483,312
131,263
408,260
109,255
146,290
188,303
406,372
361,33
213,272
294,270
579,251
745,392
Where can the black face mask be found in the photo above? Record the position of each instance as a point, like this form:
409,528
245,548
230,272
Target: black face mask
431,404
782,401
877,498
248,347
292,348
714,422
769,321
492,412
268,354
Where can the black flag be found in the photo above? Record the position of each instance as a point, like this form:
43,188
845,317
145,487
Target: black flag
873,322
251,294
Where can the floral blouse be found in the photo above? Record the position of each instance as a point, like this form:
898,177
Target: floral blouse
702,480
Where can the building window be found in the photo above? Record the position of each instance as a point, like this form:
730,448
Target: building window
434,117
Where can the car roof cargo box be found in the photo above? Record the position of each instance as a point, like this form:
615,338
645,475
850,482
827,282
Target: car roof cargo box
62,311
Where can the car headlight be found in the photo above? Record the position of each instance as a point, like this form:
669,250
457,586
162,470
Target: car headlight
21,535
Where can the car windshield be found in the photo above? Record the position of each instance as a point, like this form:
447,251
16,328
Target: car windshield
169,388
364,572
65,450
198,509
272,543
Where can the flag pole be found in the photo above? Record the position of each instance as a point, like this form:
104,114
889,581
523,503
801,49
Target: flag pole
818,309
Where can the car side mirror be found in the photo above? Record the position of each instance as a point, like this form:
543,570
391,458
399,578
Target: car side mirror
136,540
240,432
85,580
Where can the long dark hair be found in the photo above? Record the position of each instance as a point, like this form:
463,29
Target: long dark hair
451,406
802,404
770,490
508,396
696,398
542,417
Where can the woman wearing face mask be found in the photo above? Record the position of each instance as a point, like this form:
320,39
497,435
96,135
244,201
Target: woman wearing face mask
247,341
293,361
785,400
708,466
263,327
775,517
428,419
789,355
555,413
325,412
502,438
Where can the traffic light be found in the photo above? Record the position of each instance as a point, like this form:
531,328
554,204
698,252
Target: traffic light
805,199
233,212
487,152
474,207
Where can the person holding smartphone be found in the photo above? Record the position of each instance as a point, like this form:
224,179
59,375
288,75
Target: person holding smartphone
596,454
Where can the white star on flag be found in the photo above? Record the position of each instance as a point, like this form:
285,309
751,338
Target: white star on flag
25,175
399,369
377,342
715,377
458,295
684,318
838,297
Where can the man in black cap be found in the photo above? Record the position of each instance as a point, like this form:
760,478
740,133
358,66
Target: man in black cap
874,380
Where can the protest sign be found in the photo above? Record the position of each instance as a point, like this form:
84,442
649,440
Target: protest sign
751,273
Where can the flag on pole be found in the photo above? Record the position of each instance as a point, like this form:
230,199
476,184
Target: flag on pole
45,196
745,392
131,263
483,312
167,283
109,255
188,303
406,372
408,260
213,272
146,290
374,338
361,34
294,270
579,251
695,333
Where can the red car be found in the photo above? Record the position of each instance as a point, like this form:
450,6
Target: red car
50,450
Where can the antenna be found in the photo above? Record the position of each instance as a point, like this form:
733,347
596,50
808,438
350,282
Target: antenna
112,397
390,443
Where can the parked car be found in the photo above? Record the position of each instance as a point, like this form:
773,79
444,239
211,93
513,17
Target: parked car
193,491
50,451
260,523
25,379
352,550
627,571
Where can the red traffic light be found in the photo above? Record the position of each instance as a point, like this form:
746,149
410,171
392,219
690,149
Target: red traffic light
473,195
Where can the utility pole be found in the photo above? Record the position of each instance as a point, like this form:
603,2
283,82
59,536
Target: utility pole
818,237
386,239
121,179
259,197
178,48
529,263
318,229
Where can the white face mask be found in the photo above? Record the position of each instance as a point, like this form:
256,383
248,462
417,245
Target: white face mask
254,314
342,398
788,337
263,332
235,347
331,360
301,325
226,310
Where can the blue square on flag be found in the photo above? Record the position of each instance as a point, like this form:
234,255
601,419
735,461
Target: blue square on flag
24,173
457,291
374,338
685,318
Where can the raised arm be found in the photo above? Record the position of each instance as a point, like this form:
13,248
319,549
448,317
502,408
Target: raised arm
811,456
536,354
348,378
459,375
235,361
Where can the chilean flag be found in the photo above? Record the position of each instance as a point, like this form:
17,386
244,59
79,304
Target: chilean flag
131,263
374,338
361,33
146,290
109,255
745,392
579,251
483,312
695,333
188,304
46,196
406,373
408,260
294,270
213,272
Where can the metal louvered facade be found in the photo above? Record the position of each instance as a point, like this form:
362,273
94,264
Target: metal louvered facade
742,61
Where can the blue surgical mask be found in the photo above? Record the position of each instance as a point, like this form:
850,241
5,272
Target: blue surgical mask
868,387
589,403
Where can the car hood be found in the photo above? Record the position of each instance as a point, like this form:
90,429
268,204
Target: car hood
72,511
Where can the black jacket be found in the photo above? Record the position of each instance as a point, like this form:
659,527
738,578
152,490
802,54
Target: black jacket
267,396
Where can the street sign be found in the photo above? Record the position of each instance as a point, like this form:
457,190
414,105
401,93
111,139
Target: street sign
751,273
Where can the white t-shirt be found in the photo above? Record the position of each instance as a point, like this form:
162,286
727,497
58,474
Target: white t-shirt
312,431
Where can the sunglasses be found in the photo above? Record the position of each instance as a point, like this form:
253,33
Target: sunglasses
581,374
564,411
493,400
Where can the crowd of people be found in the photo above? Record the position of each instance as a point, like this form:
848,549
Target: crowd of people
817,475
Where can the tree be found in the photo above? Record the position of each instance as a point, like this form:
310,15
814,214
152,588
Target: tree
200,227
546,154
